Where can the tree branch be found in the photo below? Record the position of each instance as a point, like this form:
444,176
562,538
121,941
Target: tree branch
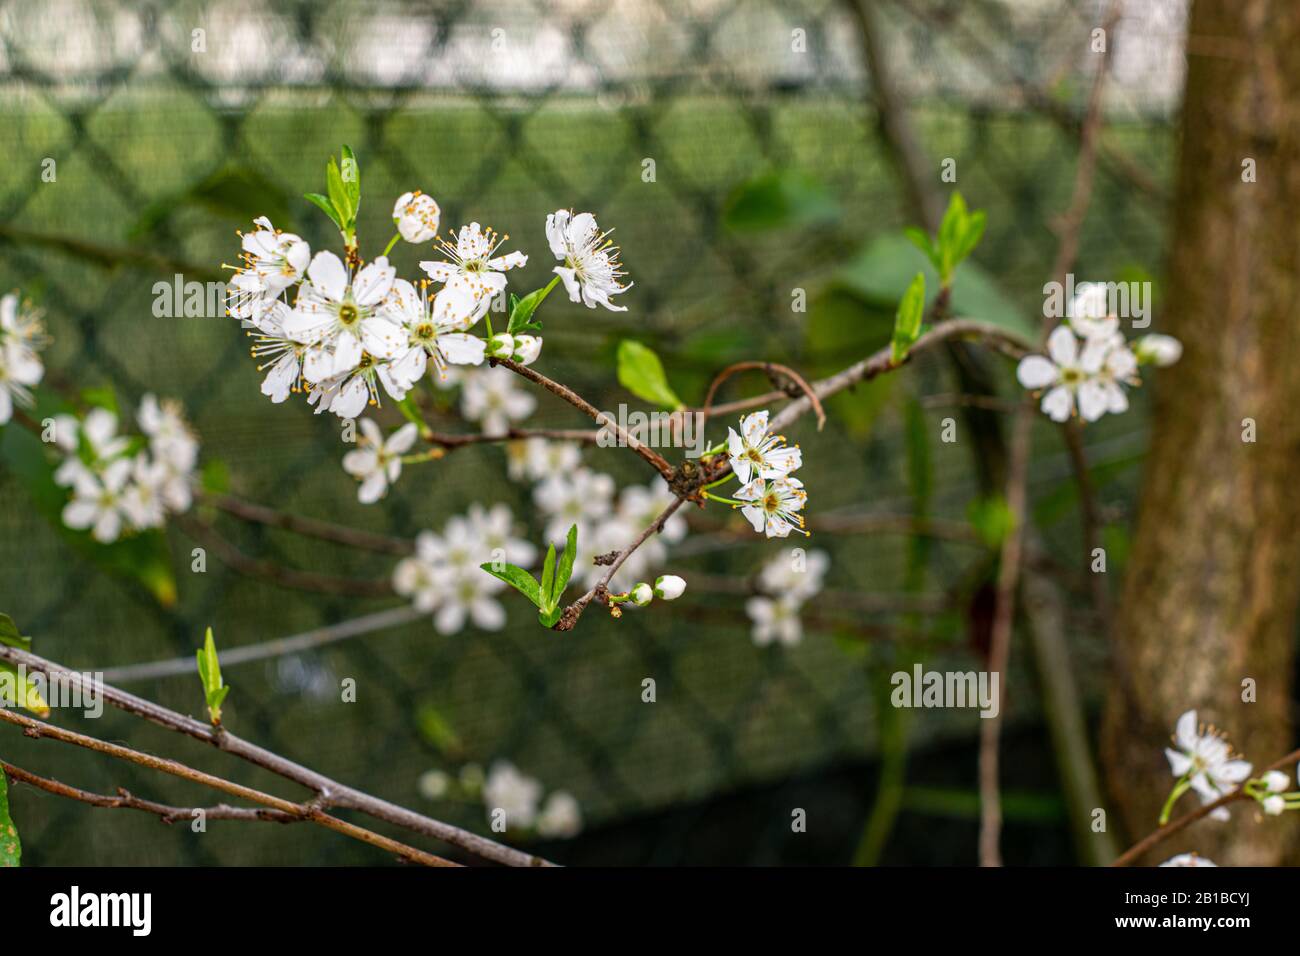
309,812
337,794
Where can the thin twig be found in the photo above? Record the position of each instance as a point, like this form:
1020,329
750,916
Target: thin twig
338,794
311,813
125,800
769,368
308,527
656,460
279,647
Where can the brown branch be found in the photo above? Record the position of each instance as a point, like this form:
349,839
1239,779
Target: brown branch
769,368
656,460
308,812
127,801
1169,829
337,794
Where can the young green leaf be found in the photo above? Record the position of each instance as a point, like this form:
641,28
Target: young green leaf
338,193
214,691
548,579
921,239
10,635
519,579
325,205
549,618
351,173
11,848
907,321
521,311
642,374
18,690
565,570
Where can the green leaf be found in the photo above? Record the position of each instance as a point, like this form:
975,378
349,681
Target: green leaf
992,519
351,172
521,311
10,635
214,477
549,618
907,320
921,239
519,579
326,206
565,570
548,579
214,690
642,374
338,193
437,729
11,848
16,692
779,200
143,557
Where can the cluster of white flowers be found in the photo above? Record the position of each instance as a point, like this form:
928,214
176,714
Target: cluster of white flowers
786,582
345,332
120,483
763,463
507,789
444,577
21,337
1089,364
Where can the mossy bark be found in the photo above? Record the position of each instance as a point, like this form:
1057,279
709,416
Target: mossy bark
1211,587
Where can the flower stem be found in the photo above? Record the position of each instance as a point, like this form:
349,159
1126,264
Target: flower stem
726,501
392,242
721,481
1180,788
412,413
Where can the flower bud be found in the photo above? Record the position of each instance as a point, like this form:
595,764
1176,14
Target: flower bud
1275,781
416,216
669,587
1161,350
1274,805
641,595
501,345
527,348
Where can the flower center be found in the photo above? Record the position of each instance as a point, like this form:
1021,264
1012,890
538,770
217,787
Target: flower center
771,502
348,315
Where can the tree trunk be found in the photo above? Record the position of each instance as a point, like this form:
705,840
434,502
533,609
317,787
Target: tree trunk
1211,588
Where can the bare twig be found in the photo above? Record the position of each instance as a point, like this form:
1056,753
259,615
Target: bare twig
127,801
309,812
337,794
770,368
280,647
656,460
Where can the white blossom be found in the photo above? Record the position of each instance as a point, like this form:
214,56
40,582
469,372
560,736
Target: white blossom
775,619
278,351
435,330
1090,314
492,398
775,507
669,587
580,497
416,216
591,269
20,367
1205,759
509,790
538,458
561,817
377,461
754,452
273,260
340,316
1158,350
97,501
472,262
1188,859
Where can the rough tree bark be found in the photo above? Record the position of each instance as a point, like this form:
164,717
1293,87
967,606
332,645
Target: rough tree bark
1212,585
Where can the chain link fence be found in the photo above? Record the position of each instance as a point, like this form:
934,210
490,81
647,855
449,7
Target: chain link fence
139,136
